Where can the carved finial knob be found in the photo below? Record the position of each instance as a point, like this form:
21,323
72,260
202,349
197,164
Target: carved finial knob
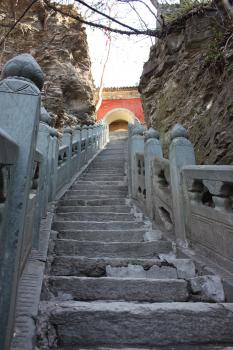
24,66
178,131
85,126
44,116
151,134
67,130
139,130
53,132
78,127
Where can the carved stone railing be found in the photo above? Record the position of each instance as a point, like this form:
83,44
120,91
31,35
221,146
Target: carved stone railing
36,163
192,203
208,193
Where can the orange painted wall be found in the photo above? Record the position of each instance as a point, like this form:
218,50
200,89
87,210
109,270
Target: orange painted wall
133,104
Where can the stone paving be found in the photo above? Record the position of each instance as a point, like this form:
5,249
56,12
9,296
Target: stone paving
112,280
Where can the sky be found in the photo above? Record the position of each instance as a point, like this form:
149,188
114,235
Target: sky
127,54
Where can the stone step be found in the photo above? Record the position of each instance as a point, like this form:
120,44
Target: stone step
116,157
102,178
94,197
105,288
91,202
99,183
104,236
106,166
86,225
113,249
176,347
123,324
94,209
108,160
109,169
107,192
98,187
99,267
100,217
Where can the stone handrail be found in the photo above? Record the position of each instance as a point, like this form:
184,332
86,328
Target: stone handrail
193,204
36,164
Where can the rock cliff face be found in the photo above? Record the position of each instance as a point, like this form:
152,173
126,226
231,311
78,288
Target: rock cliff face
59,45
189,79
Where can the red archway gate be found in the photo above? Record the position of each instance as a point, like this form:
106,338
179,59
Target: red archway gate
120,106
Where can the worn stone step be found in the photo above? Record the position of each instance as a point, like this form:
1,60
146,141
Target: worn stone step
104,236
91,202
100,183
113,249
124,324
172,347
94,225
100,217
105,288
94,209
102,178
99,267
94,197
109,171
113,161
101,192
105,170
93,186
117,157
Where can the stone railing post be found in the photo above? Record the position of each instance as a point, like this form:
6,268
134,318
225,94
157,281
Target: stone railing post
102,136
95,137
55,145
130,132
43,140
181,153
50,157
67,141
137,146
152,149
107,133
90,141
77,137
85,137
20,102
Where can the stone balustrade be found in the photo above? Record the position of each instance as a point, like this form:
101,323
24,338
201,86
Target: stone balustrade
36,163
193,204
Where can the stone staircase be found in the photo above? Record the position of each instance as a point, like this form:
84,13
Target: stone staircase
114,282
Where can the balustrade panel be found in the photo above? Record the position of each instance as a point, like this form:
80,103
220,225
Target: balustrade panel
209,199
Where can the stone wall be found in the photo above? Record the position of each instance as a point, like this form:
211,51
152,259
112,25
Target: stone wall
59,45
189,79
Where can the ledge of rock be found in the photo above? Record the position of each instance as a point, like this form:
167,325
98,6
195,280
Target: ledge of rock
189,79
59,44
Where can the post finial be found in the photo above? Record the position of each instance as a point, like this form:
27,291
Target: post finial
24,66
139,130
44,116
178,131
151,134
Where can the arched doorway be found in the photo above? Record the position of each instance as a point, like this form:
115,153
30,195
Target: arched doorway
118,119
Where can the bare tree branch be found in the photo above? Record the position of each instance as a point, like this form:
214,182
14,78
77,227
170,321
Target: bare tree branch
107,16
134,31
18,20
141,2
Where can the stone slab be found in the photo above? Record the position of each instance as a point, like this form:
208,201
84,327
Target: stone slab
94,209
106,288
102,249
130,324
100,217
104,236
86,225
